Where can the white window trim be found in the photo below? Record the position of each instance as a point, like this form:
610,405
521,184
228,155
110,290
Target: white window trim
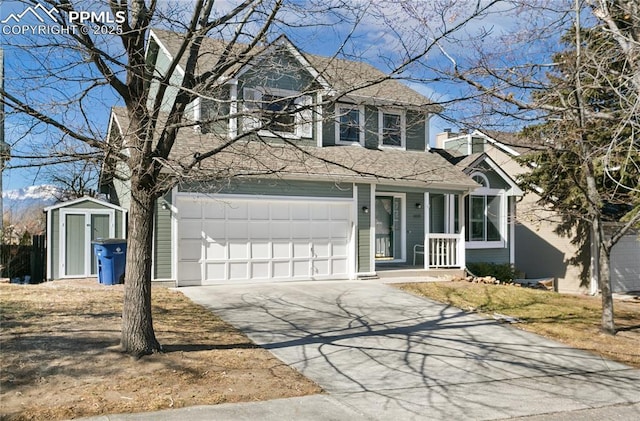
502,226
298,97
403,127
343,108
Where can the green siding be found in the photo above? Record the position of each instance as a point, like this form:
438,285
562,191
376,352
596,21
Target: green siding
415,224
495,180
500,255
364,229
162,240
274,188
415,139
162,63
282,71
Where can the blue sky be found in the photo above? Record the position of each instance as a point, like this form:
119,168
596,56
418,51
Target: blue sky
379,38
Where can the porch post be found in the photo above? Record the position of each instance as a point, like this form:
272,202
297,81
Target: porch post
462,254
427,209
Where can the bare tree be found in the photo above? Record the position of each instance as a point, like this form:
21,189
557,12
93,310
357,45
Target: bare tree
581,95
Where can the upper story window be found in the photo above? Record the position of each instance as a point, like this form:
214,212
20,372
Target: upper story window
349,124
277,112
392,128
485,212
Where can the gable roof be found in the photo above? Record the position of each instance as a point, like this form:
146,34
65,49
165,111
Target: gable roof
356,81
469,163
81,200
254,157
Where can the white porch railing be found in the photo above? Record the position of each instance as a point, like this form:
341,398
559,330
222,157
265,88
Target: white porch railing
443,250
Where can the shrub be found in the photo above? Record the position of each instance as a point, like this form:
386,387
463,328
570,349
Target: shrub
503,272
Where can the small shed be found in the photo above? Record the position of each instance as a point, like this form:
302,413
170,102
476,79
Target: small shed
71,227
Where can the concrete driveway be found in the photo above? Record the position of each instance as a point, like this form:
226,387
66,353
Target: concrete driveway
385,354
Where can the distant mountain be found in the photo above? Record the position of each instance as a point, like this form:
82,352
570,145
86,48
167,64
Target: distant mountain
29,197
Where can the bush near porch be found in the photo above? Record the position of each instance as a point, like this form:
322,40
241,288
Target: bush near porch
503,272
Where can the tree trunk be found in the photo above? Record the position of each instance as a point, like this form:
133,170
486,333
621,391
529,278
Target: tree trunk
608,323
138,337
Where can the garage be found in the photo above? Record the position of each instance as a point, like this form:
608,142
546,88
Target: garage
224,239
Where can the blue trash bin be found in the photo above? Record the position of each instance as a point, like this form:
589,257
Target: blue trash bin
111,255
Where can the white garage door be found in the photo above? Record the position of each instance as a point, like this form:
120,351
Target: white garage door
230,239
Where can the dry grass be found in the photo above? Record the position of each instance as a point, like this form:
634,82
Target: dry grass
61,359
573,320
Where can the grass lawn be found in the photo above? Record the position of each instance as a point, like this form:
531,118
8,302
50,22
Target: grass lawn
570,319
60,356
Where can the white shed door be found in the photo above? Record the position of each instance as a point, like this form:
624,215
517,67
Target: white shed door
226,240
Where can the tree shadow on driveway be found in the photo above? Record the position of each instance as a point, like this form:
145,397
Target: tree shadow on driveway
391,354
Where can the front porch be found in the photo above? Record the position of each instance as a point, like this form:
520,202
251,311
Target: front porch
425,231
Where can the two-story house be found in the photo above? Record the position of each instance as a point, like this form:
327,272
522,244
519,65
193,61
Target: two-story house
325,173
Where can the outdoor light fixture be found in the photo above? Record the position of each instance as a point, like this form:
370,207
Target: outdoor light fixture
418,205
165,206
365,209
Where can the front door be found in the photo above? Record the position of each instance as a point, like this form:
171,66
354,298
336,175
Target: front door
388,228
78,230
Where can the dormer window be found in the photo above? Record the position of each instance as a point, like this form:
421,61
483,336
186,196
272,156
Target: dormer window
277,112
392,128
349,124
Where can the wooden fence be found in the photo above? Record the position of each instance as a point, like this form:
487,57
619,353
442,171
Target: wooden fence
24,261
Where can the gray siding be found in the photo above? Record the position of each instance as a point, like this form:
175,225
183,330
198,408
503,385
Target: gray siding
274,187
364,229
162,240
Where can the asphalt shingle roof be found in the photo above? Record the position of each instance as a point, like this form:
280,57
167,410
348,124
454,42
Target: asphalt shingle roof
356,78
336,163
